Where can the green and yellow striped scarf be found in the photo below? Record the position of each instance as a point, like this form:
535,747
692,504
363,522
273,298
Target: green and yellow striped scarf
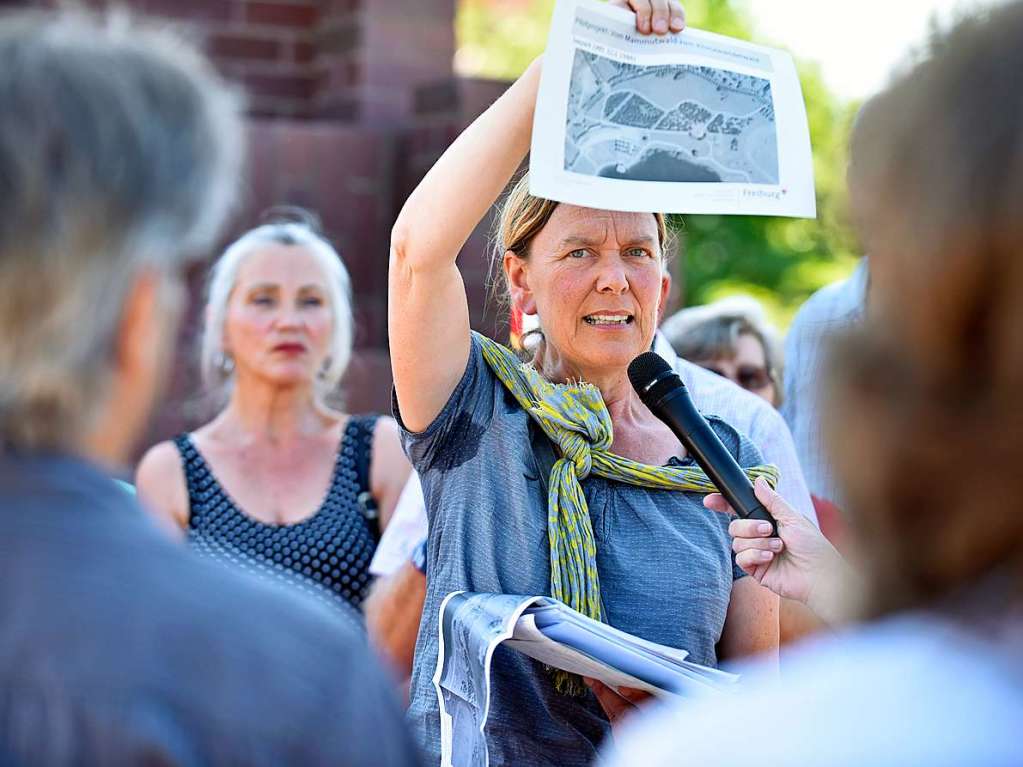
574,417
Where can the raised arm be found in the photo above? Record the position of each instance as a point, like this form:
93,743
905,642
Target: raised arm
428,315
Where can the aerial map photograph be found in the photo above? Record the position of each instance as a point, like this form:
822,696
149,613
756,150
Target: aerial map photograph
669,123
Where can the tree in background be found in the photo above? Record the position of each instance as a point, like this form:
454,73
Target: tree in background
778,260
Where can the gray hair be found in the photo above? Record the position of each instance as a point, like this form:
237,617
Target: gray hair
704,332
218,377
119,151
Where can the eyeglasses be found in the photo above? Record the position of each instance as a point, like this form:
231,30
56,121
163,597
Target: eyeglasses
748,377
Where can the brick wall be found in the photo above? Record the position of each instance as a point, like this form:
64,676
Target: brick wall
350,102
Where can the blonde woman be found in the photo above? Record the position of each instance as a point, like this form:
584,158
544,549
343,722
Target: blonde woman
279,481
523,505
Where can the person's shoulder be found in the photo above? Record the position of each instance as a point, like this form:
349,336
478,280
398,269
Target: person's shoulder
834,302
387,448
319,679
244,651
464,422
248,622
477,383
159,460
222,583
160,483
736,441
165,626
386,434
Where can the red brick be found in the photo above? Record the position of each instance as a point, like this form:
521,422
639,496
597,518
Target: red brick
368,209
356,154
244,47
340,7
282,14
433,98
339,36
274,108
261,187
302,52
338,105
367,382
294,86
192,10
337,74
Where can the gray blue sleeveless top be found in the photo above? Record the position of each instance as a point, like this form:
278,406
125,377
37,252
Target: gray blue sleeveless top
327,554
665,563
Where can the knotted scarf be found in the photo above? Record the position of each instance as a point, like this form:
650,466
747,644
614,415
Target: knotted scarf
575,418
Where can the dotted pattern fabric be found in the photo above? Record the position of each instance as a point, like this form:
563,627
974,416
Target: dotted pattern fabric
327,554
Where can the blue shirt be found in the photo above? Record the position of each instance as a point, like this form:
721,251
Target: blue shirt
121,646
829,312
665,565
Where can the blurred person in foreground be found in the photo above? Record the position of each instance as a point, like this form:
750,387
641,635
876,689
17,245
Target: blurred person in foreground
926,430
585,496
826,315
119,153
730,337
281,482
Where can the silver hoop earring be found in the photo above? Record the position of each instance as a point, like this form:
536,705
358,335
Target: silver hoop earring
224,363
325,368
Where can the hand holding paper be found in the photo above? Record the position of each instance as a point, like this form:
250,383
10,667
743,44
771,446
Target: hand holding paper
683,123
654,18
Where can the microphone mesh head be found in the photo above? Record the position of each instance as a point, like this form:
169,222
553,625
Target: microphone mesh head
646,368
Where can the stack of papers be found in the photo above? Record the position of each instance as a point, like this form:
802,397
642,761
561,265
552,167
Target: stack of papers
562,638
471,627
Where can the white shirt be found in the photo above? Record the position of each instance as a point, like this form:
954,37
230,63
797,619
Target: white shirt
749,414
712,394
905,692
405,529
829,311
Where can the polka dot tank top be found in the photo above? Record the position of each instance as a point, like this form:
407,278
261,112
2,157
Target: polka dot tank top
327,554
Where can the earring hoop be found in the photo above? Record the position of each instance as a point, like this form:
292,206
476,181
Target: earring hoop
325,367
224,363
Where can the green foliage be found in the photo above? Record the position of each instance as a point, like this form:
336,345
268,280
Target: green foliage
777,260
498,38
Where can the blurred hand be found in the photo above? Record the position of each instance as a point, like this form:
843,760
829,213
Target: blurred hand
799,564
618,703
657,16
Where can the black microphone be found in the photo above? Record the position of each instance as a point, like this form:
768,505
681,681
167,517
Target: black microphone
663,392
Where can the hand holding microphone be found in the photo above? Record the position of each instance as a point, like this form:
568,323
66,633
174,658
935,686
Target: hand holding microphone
799,564
663,392
773,543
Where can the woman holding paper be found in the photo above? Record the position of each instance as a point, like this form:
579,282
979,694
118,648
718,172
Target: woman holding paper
585,495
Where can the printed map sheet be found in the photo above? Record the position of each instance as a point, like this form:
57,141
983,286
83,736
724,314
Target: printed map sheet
687,123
